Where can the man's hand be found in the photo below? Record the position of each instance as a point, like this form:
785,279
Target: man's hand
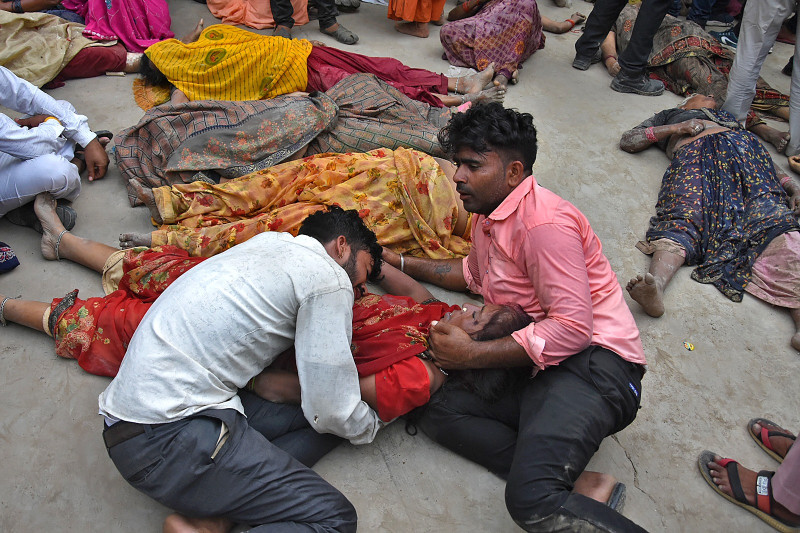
96,160
31,122
451,347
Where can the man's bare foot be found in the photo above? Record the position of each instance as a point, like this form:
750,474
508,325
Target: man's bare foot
193,35
780,445
747,478
477,82
132,240
646,292
595,485
177,523
145,195
416,29
45,208
496,94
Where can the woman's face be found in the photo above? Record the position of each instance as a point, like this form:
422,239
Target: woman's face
471,318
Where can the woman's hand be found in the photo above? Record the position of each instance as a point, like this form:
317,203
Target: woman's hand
450,346
794,203
691,127
612,65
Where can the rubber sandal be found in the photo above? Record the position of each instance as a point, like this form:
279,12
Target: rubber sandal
104,134
617,499
282,31
763,490
762,438
342,34
26,216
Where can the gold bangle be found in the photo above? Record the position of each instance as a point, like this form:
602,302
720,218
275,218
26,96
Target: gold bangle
54,118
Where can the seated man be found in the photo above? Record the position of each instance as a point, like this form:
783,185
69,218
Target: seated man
38,154
723,206
535,249
182,435
228,63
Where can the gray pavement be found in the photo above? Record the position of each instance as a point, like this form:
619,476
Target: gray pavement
57,476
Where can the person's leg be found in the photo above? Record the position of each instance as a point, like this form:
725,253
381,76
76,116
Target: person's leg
23,312
793,148
95,61
648,290
21,181
282,12
597,26
566,412
633,59
760,25
700,12
786,482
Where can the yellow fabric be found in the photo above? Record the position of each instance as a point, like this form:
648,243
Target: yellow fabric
228,63
37,46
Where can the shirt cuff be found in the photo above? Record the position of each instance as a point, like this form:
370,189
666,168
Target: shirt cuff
54,125
84,136
533,344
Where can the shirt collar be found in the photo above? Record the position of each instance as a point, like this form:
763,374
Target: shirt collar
512,201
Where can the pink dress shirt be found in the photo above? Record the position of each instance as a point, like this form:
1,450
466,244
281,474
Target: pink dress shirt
538,250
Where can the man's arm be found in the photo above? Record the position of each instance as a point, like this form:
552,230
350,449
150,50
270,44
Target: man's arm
452,348
445,273
396,282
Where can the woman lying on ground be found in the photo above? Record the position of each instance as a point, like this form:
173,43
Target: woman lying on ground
689,60
406,197
210,140
500,32
47,50
228,63
723,206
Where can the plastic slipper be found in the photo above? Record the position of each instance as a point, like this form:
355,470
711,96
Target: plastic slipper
762,438
104,134
342,34
617,499
763,488
282,31
26,216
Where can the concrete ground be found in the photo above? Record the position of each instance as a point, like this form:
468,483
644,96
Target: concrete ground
57,476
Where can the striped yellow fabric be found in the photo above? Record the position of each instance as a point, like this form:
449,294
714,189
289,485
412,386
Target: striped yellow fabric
228,63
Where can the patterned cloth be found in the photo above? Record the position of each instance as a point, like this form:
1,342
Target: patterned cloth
137,23
505,32
8,259
402,195
173,142
229,63
721,200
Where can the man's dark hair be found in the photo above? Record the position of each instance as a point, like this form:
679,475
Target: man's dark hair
152,76
490,127
327,225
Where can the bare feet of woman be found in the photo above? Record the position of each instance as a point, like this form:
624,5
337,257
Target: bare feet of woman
45,208
497,93
177,523
132,240
415,29
475,83
145,195
193,35
647,293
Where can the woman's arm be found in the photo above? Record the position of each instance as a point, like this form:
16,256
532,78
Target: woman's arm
639,138
608,49
562,27
789,185
396,282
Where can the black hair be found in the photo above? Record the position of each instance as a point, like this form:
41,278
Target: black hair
327,225
508,319
152,76
490,127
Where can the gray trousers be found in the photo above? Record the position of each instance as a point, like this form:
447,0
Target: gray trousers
761,22
250,480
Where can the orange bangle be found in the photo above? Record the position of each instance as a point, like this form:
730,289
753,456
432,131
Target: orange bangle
571,22
54,118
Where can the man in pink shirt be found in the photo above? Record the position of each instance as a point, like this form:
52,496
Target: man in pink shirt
532,248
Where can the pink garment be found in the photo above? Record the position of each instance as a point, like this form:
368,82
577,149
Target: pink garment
775,276
786,482
136,23
537,250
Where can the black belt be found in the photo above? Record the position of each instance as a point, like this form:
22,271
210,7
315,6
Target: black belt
122,431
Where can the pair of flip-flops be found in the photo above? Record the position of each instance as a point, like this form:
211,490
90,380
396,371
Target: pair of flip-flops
26,216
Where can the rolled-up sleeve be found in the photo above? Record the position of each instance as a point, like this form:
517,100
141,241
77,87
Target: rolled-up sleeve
555,259
471,271
330,393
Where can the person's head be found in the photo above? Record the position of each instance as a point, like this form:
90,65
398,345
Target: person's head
698,101
488,322
348,241
494,149
151,75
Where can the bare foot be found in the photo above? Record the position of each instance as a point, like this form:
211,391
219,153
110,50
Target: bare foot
477,82
131,240
514,77
646,292
439,22
595,485
193,35
794,163
416,29
177,523
501,80
147,198
45,208
747,478
496,94
780,445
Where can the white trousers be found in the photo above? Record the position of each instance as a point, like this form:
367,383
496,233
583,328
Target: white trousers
761,22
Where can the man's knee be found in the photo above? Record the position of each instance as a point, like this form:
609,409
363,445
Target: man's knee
533,498
57,175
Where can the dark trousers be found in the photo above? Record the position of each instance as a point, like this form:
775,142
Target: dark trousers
282,12
702,10
251,480
634,59
541,435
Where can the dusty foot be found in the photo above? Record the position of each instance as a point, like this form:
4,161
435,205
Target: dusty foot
417,29
45,208
496,94
595,485
501,80
193,35
146,196
794,163
779,140
177,523
514,77
644,290
748,480
131,240
439,22
780,445
133,62
477,82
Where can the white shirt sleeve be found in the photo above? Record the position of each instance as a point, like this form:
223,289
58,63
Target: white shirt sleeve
330,393
23,97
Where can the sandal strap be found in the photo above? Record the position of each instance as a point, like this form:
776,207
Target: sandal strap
733,476
766,434
764,491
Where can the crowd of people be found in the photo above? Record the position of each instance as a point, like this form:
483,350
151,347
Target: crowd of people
327,170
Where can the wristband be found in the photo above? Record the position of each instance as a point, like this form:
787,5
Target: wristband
16,6
571,22
785,180
651,136
610,57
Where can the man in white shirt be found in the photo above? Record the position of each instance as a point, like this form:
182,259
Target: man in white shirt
36,152
177,427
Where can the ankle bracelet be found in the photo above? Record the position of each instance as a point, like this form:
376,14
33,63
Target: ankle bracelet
456,89
3,307
58,243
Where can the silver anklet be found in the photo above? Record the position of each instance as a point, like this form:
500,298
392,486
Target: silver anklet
456,89
58,243
3,307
